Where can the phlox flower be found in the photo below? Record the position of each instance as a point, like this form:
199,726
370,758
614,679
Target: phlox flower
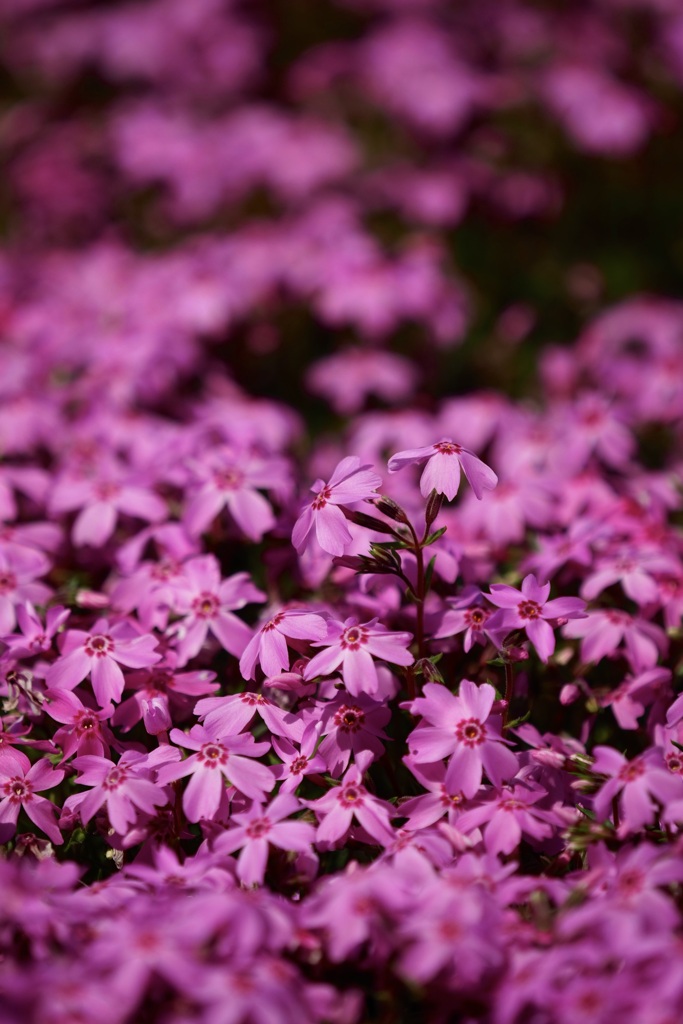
353,646
19,783
217,760
460,728
228,716
639,784
341,804
36,638
253,831
509,815
83,729
269,645
603,630
207,603
230,479
298,763
350,483
101,500
529,609
162,682
125,788
351,727
444,461
100,654
18,587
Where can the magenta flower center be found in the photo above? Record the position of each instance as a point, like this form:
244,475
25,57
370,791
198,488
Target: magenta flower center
206,605
354,638
450,799
298,765
321,499
228,479
471,732
104,490
448,448
39,642
510,804
529,609
258,828
17,790
476,617
99,646
212,755
164,571
273,623
631,772
85,722
253,698
349,719
8,582
115,777
674,762
351,795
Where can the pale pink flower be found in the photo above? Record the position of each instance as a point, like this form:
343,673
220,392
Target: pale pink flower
269,645
217,761
444,461
350,483
255,829
125,788
100,654
19,783
354,647
207,603
460,728
530,609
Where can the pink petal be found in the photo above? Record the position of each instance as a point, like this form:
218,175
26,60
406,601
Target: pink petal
107,680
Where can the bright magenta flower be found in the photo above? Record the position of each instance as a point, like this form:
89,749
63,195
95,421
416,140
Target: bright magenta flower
354,646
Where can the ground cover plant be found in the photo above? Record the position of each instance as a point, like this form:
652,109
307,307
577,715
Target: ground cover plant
341,563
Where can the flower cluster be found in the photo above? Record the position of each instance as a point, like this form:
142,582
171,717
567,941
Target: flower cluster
339,676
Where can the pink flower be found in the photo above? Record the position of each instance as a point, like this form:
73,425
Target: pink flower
36,638
444,460
217,760
354,646
125,788
350,483
83,730
507,816
257,828
100,654
100,501
529,609
269,645
459,727
207,604
338,807
19,782
640,784
230,480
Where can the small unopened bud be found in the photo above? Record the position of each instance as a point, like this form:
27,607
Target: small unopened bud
569,693
514,654
362,519
156,715
429,670
389,508
433,507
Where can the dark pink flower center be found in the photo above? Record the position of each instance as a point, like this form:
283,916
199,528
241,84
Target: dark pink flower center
351,795
273,623
105,490
476,617
471,732
253,698
510,804
115,778
448,448
206,605
164,571
99,646
353,638
529,609
321,499
212,755
258,828
631,881
228,479
674,762
631,772
17,789
8,582
349,718
39,643
298,765
450,799
85,722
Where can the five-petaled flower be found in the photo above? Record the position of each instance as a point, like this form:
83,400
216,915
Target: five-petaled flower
350,483
444,461
530,610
